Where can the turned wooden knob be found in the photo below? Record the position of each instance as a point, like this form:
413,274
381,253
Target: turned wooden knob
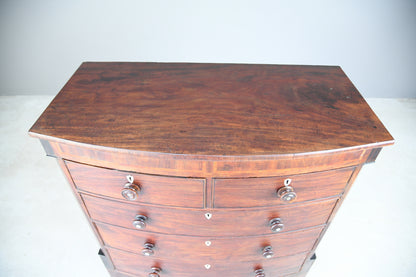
140,221
260,273
148,249
276,225
286,193
268,252
155,272
130,190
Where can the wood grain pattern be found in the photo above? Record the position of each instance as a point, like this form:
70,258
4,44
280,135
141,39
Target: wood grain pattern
205,166
139,266
192,222
217,138
338,205
162,190
261,192
67,174
221,249
231,109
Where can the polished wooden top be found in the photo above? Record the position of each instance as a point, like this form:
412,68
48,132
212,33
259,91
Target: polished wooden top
212,109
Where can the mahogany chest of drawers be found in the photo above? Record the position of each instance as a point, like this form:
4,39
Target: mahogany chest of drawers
209,169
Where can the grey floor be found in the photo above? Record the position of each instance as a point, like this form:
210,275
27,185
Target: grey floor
44,233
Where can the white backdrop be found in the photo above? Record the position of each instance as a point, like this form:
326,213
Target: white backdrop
44,41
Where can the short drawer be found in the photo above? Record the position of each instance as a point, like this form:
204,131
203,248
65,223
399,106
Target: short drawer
160,190
262,192
141,266
202,248
229,222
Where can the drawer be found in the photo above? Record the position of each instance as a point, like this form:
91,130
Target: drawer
262,192
141,266
161,190
203,248
222,223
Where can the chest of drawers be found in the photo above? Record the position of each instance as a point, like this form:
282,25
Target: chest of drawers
209,169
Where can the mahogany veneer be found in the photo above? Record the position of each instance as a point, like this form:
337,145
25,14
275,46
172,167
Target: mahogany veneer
190,222
188,192
135,266
210,169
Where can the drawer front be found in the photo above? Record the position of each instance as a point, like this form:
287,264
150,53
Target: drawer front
141,266
222,223
161,190
203,248
262,192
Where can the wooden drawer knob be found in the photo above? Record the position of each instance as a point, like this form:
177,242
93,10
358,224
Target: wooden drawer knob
140,221
148,249
276,225
286,193
268,252
130,190
155,272
259,273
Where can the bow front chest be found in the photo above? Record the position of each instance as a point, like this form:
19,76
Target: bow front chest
209,169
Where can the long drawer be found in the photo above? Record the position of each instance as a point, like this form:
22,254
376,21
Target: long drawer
203,248
141,266
221,223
